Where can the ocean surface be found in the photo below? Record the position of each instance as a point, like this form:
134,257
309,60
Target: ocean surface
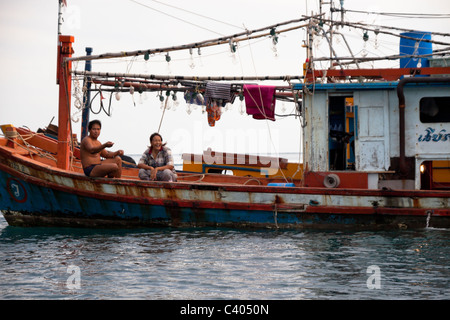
217,264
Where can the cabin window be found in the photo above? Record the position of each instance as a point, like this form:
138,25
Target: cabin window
435,109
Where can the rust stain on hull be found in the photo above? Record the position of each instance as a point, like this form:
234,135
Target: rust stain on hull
56,197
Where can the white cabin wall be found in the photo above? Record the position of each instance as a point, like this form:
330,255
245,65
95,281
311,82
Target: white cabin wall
378,129
427,141
412,117
439,149
414,128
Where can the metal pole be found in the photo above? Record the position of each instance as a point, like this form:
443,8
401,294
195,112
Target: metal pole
60,5
86,97
65,89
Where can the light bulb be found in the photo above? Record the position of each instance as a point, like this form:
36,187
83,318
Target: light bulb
201,98
422,168
192,63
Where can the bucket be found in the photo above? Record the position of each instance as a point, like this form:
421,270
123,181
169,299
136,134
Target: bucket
410,46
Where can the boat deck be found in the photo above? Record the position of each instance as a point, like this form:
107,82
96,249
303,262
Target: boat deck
41,150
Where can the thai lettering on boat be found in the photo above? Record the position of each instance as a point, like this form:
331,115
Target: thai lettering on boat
430,135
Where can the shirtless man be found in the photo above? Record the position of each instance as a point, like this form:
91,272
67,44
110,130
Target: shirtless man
91,151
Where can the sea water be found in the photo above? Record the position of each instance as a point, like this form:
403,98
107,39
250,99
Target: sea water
210,264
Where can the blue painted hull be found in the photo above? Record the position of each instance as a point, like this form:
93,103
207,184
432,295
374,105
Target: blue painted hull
34,196
47,207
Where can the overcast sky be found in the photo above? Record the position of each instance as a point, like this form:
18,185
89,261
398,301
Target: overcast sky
28,40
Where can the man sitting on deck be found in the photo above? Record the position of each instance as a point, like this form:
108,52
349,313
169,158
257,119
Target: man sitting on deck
91,151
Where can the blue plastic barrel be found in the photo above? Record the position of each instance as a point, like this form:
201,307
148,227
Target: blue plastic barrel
410,46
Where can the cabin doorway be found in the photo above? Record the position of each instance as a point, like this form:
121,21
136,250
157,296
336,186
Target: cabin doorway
435,175
341,141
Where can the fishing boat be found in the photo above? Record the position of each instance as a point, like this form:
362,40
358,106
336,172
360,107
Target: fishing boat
375,153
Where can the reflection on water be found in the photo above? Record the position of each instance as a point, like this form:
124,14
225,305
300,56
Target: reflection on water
222,264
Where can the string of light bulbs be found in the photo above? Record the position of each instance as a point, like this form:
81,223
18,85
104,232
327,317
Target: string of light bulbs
196,45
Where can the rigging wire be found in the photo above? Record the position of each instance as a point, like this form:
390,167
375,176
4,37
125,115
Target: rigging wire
442,52
367,28
185,21
365,25
206,43
197,14
403,15
262,111
377,30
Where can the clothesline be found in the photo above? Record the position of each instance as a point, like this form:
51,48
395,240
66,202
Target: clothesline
125,84
259,99
282,92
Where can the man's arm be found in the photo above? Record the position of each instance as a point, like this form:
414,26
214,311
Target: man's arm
108,154
89,147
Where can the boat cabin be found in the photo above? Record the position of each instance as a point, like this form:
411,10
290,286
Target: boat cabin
359,134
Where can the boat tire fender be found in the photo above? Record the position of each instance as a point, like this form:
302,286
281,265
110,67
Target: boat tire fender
331,181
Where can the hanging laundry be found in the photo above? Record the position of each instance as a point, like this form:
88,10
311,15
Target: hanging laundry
213,112
217,95
220,93
260,101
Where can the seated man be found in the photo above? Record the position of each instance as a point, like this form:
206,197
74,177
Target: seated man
91,151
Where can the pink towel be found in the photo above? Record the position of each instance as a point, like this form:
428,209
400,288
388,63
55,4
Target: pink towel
260,101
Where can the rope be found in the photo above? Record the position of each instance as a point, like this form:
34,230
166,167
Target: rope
260,108
27,146
162,116
275,215
11,134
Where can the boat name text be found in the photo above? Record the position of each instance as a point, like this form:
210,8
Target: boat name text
430,135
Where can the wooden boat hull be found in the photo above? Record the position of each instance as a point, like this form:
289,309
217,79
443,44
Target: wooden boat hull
33,194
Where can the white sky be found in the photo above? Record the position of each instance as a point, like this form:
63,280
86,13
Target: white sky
28,39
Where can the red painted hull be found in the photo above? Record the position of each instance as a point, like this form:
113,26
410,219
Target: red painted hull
56,197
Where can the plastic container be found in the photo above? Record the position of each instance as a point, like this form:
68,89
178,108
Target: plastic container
281,185
410,46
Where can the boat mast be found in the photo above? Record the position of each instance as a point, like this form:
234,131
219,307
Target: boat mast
65,88
61,3
64,80
86,96
308,43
